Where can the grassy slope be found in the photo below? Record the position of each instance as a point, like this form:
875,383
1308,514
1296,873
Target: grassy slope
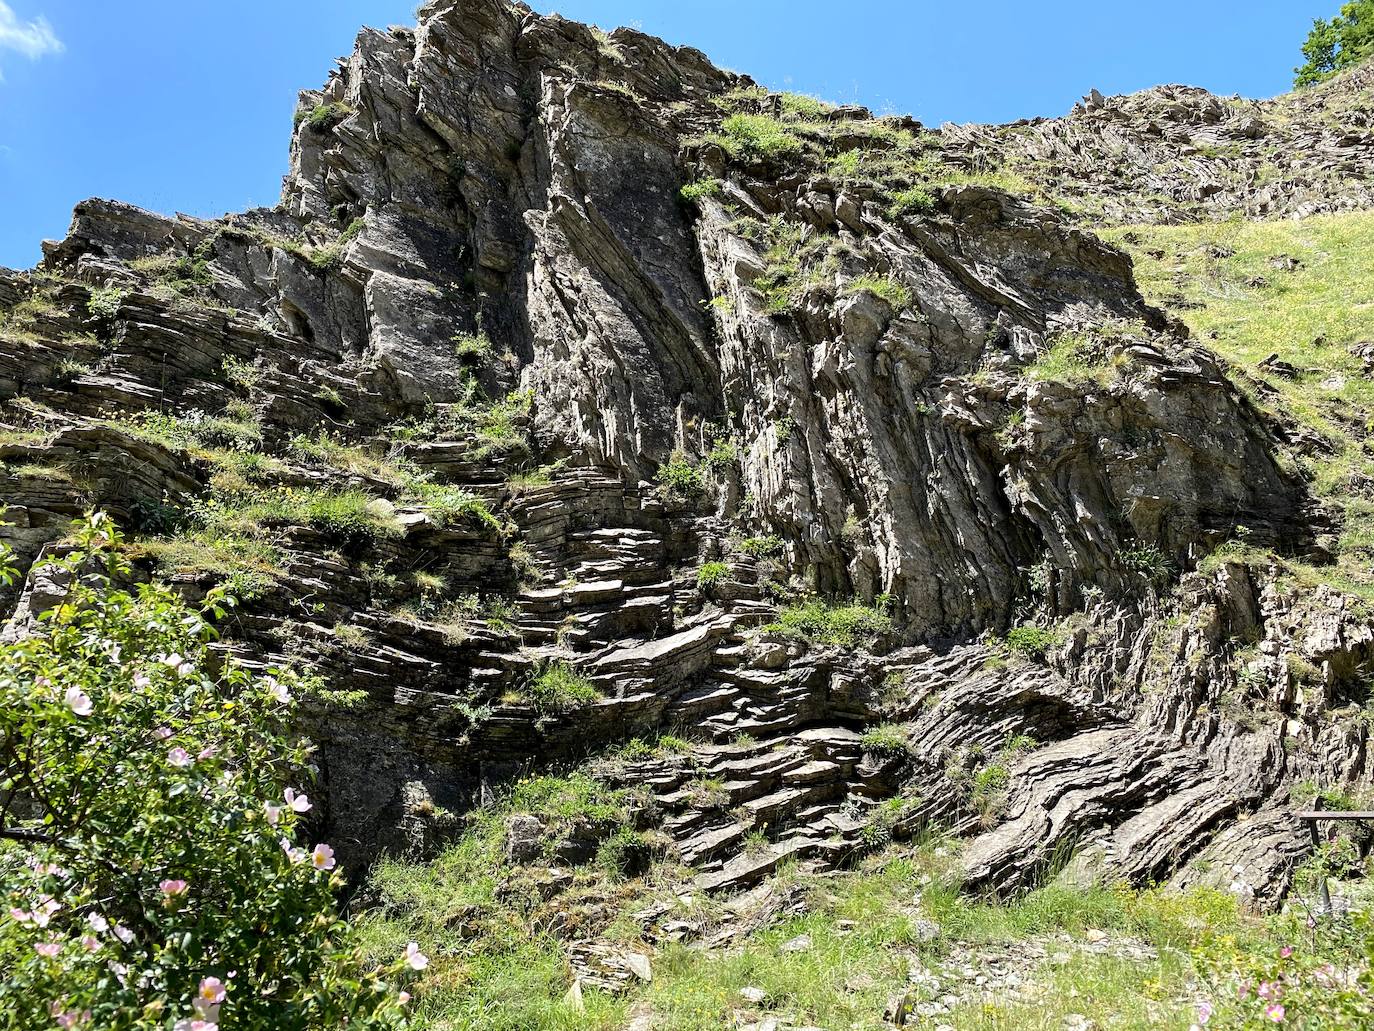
1230,282
497,967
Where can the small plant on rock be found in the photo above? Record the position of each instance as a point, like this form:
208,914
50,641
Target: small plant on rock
711,574
681,480
324,117
843,626
886,287
558,688
1031,642
887,740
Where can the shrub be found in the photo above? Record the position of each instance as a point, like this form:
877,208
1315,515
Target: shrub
1033,642
625,853
472,347
723,454
762,547
152,872
712,573
558,688
843,626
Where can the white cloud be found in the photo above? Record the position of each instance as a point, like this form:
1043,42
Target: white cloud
32,39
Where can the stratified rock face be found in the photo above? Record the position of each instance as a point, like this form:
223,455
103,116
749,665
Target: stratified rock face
1179,153
490,206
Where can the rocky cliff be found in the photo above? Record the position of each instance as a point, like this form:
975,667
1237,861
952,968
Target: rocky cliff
578,391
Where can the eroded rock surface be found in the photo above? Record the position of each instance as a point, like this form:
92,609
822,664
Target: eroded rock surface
483,273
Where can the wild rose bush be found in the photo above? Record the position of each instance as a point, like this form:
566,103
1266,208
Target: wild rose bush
152,868
1324,979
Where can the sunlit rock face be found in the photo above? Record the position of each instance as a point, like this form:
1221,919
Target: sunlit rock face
484,277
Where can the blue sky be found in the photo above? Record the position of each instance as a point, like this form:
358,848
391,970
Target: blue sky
185,105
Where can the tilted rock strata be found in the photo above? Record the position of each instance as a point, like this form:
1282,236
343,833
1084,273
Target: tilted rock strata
502,177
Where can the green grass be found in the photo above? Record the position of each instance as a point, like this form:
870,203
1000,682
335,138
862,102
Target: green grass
494,964
1230,283
558,688
822,623
324,117
1031,642
485,924
236,531
1074,358
794,261
696,192
753,137
887,287
494,428
887,739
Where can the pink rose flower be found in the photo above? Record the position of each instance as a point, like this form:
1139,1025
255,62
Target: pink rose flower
162,733
415,959
211,989
49,949
78,701
173,887
322,858
1275,1013
298,803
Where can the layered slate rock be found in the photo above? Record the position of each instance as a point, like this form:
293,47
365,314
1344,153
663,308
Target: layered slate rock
487,210
1179,153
